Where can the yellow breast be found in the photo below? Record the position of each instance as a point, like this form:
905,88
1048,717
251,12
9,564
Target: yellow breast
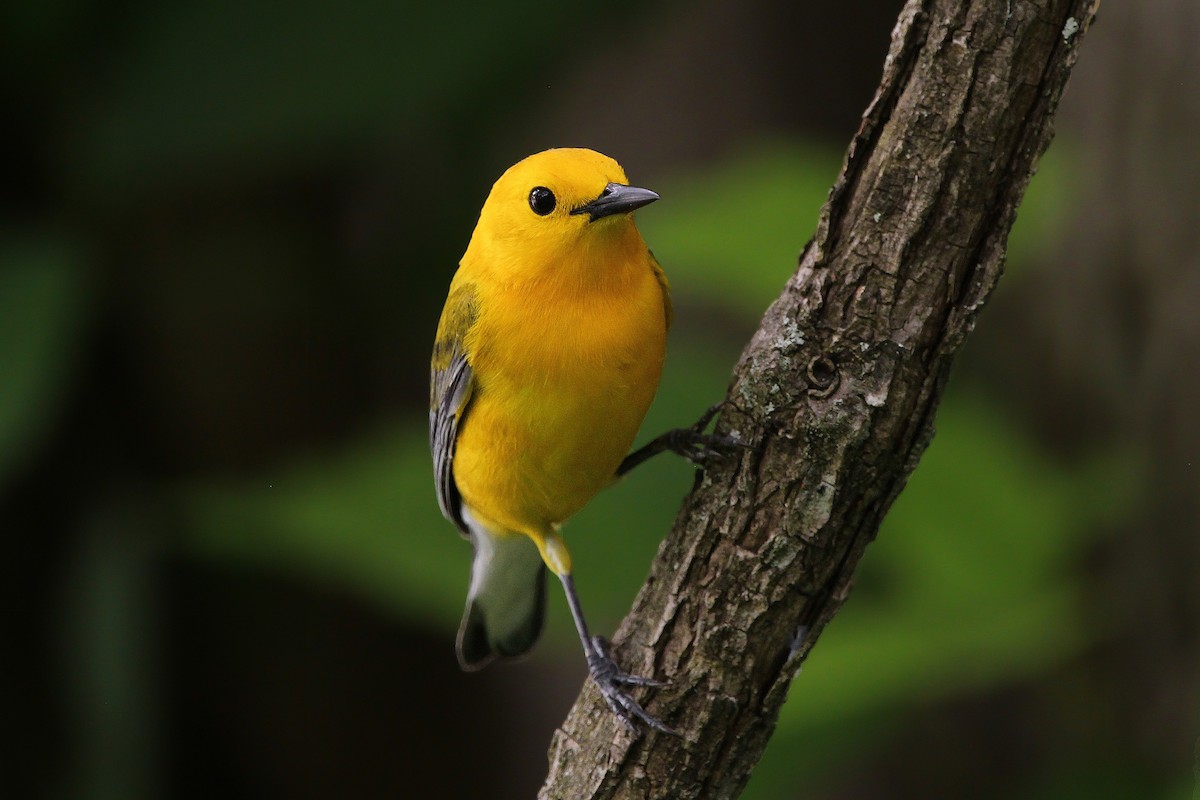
564,374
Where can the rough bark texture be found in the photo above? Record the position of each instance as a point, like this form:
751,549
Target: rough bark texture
837,391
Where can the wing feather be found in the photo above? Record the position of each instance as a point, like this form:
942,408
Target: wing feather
668,308
450,387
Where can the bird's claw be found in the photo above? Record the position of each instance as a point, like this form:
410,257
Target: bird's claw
703,449
603,667
609,678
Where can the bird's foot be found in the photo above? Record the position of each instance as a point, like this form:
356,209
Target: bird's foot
610,679
700,448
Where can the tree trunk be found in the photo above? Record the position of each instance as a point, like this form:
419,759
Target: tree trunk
836,392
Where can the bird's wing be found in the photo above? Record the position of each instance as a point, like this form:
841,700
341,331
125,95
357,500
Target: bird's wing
450,386
668,309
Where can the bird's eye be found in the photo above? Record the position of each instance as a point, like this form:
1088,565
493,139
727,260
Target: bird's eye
542,201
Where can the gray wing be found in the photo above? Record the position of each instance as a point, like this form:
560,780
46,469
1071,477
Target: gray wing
450,388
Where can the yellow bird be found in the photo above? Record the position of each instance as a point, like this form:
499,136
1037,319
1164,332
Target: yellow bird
548,353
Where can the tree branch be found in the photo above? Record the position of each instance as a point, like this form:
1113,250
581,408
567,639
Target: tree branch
837,390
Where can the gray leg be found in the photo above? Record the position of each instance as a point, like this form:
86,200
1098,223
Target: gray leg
605,672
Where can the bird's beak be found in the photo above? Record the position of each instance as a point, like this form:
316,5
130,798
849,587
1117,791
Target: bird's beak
617,198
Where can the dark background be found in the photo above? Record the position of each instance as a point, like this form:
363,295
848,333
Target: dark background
227,232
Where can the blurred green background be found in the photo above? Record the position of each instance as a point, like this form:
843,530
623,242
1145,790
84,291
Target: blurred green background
227,233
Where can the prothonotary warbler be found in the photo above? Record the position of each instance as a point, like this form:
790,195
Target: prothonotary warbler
547,356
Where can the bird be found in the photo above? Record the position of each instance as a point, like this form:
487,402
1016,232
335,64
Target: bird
548,353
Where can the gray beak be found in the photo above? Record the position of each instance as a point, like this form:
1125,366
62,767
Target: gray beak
617,198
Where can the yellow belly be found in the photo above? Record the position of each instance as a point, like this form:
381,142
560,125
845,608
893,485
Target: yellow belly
557,404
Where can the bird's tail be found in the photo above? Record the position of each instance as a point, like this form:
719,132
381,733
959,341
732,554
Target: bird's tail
506,604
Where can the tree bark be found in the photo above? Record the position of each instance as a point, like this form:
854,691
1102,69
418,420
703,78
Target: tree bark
836,392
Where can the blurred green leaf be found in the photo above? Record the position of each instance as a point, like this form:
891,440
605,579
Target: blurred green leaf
41,308
365,521
733,232
1047,205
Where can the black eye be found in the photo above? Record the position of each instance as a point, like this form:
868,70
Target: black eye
542,201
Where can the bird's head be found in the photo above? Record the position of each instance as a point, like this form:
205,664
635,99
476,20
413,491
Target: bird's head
559,207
